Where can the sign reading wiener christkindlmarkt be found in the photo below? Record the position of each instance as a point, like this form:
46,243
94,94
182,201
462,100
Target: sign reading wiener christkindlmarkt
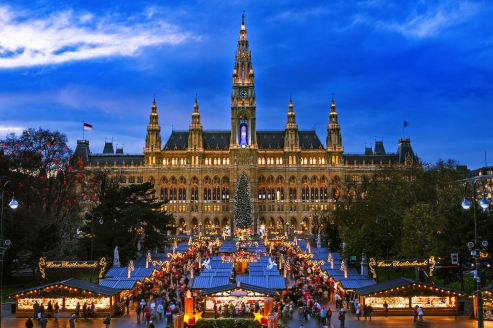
43,264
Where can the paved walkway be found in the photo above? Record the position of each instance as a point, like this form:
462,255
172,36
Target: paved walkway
124,321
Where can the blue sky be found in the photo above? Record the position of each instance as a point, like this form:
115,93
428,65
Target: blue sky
429,63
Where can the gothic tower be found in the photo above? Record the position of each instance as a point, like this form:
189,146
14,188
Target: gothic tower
291,137
195,141
334,138
153,138
243,99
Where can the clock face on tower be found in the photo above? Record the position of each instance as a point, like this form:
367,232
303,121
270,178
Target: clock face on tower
243,93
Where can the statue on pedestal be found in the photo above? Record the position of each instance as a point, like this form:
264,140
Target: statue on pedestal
116,258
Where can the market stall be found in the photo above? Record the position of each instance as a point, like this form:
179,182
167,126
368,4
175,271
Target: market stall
487,294
67,293
234,293
403,294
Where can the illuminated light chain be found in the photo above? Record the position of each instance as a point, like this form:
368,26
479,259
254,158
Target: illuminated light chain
102,267
198,259
344,268
371,264
130,268
148,259
41,266
431,262
174,256
163,264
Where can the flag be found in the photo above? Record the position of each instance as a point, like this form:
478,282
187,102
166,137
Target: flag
87,126
405,124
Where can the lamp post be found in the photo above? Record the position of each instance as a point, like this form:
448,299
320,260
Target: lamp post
94,216
466,205
386,242
4,244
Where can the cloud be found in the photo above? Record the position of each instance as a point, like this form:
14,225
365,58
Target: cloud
423,20
66,36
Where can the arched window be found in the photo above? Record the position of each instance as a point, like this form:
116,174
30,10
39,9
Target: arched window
225,193
164,193
194,197
314,193
292,193
216,193
280,193
271,193
323,193
207,193
305,193
172,193
182,193
261,193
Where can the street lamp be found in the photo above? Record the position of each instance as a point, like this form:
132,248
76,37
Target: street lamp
4,244
94,216
484,203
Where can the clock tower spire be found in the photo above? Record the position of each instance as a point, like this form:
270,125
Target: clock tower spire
243,99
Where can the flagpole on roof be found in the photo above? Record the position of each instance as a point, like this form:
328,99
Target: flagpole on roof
83,130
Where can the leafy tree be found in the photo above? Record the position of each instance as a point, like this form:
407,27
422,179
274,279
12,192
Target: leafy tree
130,214
243,207
416,210
41,167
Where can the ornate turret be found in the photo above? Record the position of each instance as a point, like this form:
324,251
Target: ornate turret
291,136
195,142
334,138
243,99
153,138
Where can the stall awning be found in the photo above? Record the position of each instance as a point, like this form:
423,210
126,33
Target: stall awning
238,287
75,283
402,282
124,284
269,282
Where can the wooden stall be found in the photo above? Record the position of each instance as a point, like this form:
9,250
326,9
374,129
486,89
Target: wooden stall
67,293
403,294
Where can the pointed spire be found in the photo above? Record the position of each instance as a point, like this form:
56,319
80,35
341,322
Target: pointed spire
196,105
154,106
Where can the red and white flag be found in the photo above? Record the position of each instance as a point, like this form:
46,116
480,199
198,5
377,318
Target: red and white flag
87,126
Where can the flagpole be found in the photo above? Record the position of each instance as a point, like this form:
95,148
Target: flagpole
83,130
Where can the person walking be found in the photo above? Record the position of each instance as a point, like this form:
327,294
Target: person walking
420,314
43,321
160,312
29,323
35,309
107,321
138,310
329,315
84,310
365,311
127,304
358,310
77,311
71,321
50,309
415,313
323,316
342,317
57,310
370,311
385,308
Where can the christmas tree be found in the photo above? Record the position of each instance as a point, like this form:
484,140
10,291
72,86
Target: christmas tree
243,207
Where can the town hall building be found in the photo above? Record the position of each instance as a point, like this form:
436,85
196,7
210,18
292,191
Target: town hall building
291,172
